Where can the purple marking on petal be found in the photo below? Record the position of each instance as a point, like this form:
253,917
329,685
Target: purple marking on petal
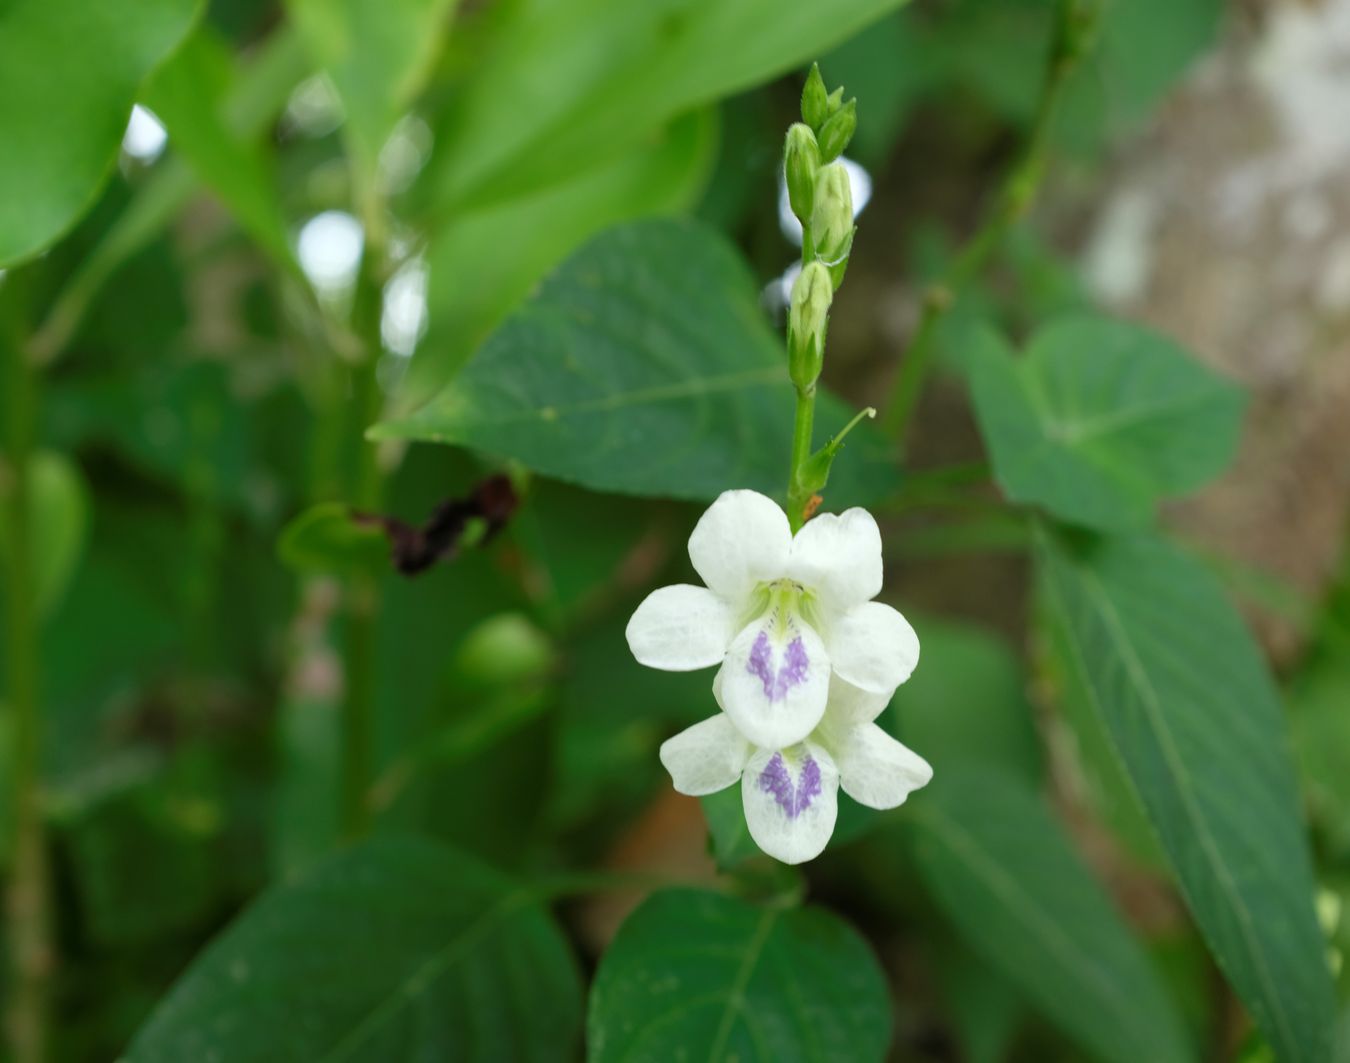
777,780
777,682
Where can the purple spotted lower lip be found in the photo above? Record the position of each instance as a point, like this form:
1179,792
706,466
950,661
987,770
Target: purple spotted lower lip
778,681
777,780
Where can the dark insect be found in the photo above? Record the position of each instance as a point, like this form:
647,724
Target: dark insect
415,549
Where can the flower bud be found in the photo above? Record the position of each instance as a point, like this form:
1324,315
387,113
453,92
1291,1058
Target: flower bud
838,131
801,160
815,101
811,297
832,213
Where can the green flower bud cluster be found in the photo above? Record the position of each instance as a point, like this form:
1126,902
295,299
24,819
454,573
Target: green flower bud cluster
821,197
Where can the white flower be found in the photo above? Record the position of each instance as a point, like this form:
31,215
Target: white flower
779,614
791,795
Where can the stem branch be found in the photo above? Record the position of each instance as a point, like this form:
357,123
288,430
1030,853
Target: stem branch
31,954
1073,25
799,495
362,590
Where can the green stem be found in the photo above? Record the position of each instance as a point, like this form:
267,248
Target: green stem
362,590
1073,26
31,953
802,425
798,494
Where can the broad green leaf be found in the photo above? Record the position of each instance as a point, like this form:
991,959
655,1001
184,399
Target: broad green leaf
703,976
379,54
69,71
190,94
513,244
1104,784
569,84
325,538
396,949
643,366
1007,876
1318,701
1181,688
58,519
1100,419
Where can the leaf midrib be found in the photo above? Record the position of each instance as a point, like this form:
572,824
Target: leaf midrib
962,844
1176,768
736,995
639,396
1076,432
425,974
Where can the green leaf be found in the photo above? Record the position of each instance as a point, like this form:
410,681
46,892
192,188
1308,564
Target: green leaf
643,366
189,94
1100,419
379,54
1321,726
1181,688
569,84
396,949
1008,878
703,976
58,519
69,71
1104,784
513,244
325,538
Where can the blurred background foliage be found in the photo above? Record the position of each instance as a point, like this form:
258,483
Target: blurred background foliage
200,324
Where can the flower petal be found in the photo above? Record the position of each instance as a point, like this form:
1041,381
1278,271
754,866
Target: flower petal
707,757
873,647
851,706
774,681
680,628
791,799
839,558
876,770
742,540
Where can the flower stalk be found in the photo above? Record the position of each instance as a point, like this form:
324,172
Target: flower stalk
362,592
27,909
